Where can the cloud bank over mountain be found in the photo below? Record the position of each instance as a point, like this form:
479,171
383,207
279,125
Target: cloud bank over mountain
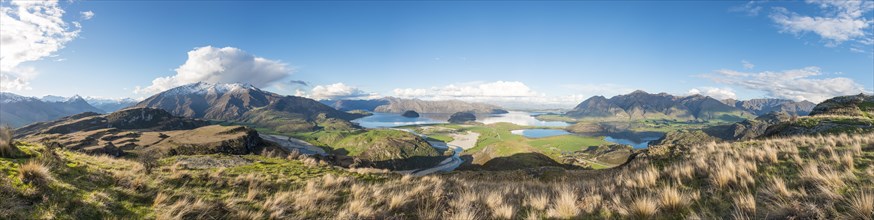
222,65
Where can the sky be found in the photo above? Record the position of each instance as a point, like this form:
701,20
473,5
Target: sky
511,53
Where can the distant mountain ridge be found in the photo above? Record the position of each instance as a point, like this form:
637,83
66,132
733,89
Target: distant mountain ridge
765,106
19,110
104,104
244,103
400,105
643,105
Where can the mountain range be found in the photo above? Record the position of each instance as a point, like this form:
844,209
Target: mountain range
764,106
16,110
247,104
104,104
400,105
643,105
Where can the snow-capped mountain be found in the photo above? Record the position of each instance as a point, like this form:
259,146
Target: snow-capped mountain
241,102
104,104
21,110
6,97
210,88
110,105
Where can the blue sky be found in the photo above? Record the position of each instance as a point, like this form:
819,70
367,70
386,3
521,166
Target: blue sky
500,52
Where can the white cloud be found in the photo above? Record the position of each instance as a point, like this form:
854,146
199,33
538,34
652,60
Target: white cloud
221,65
337,91
747,64
840,21
31,30
87,15
797,84
752,8
716,93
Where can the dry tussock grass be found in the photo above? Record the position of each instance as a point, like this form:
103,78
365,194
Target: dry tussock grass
801,177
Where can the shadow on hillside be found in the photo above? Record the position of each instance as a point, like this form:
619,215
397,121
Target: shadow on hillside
513,162
416,162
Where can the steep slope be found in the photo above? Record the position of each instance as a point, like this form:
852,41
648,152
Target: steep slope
244,103
642,105
764,106
399,105
16,110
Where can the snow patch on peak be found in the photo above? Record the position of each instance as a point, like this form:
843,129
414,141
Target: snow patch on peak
6,97
210,88
75,98
53,98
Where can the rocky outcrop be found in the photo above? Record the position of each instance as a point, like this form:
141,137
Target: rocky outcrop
749,129
462,117
211,140
860,105
410,114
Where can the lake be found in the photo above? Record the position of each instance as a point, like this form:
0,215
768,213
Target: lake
388,120
637,143
539,133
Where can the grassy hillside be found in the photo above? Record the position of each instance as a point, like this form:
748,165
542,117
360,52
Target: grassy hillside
825,177
54,183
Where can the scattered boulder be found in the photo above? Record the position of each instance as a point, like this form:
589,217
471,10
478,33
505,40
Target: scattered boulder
462,117
410,114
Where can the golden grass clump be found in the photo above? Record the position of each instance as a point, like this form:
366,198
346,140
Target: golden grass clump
35,173
565,205
861,205
643,207
672,199
537,200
